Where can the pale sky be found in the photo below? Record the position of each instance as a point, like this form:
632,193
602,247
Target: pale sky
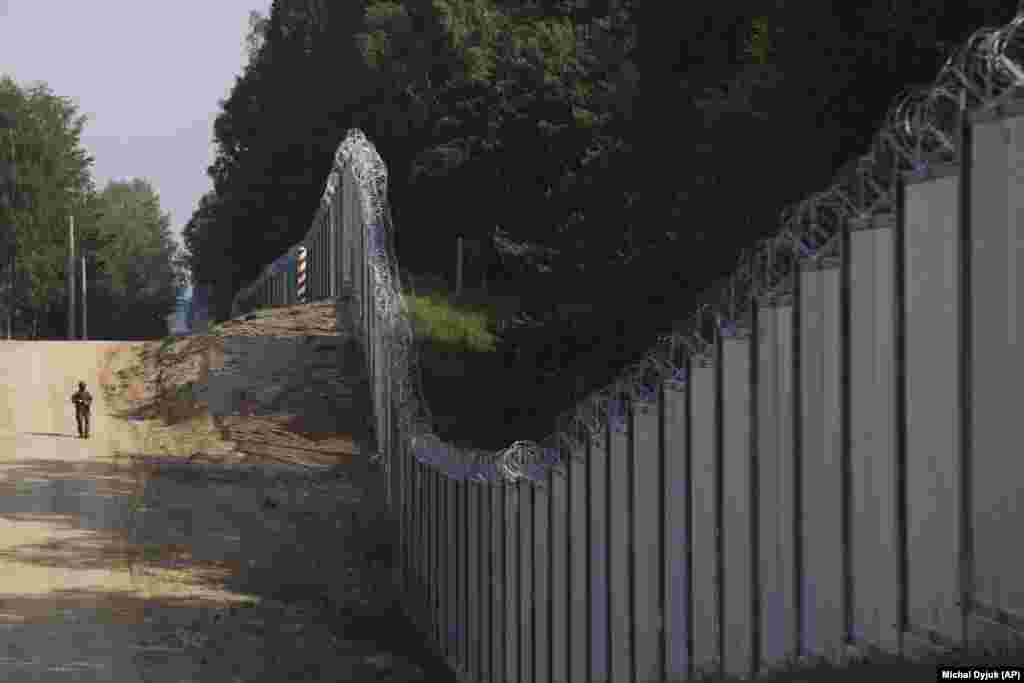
148,74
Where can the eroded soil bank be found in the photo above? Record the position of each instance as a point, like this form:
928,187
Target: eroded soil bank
223,523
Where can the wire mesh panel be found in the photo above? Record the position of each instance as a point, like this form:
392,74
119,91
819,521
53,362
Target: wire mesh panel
736,494
580,551
619,522
776,484
677,497
704,524
647,540
559,586
997,374
823,619
600,669
873,466
541,591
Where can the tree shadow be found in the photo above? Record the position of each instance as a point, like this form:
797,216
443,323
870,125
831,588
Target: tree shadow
202,536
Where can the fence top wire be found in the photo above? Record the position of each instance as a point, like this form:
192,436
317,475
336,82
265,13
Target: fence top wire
920,130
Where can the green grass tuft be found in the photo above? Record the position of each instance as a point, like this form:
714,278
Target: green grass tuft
439,319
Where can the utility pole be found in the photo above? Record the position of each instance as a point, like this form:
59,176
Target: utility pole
10,288
8,187
71,278
85,306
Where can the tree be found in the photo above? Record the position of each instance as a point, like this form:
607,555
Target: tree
138,268
54,179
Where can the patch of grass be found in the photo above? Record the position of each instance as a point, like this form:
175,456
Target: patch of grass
185,392
136,503
438,318
151,552
459,351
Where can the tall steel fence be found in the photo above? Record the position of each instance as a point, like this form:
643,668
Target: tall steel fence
824,458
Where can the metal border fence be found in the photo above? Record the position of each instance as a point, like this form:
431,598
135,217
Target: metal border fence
767,484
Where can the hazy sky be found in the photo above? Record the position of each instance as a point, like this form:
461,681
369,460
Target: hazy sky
148,74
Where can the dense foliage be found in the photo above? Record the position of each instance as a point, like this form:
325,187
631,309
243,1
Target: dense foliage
132,266
522,118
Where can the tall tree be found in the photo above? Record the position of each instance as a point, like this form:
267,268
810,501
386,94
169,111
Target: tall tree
54,177
137,271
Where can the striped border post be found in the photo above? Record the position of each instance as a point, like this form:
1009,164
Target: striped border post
301,270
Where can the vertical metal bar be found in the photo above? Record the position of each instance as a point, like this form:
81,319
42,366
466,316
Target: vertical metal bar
966,369
551,571
609,597
404,529
504,581
798,505
900,408
569,547
460,577
408,559
470,560
688,511
478,569
662,535
526,522
440,558
519,580
440,574
487,532
631,532
589,560
845,443
533,580
754,347
719,493
427,492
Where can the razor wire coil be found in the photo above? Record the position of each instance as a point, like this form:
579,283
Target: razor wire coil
919,130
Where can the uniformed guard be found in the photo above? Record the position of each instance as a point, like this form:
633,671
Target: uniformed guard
83,404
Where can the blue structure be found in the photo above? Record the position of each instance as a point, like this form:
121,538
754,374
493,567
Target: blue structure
191,311
198,319
177,322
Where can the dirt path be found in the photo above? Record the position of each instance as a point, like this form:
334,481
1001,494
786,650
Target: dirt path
185,541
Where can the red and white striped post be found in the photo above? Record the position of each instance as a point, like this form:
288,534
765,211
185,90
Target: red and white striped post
302,276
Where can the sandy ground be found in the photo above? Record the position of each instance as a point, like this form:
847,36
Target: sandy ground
202,533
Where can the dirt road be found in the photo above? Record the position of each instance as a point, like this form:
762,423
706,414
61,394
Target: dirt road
201,545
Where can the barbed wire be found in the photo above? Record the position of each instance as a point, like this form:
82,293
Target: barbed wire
919,130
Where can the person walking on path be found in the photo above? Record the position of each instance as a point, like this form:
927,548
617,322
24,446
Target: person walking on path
83,403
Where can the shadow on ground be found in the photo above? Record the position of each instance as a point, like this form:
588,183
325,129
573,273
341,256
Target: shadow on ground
261,572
